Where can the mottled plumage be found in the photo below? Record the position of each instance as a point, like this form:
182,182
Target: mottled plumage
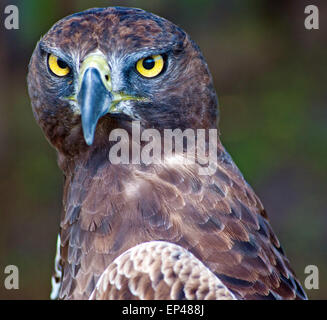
215,238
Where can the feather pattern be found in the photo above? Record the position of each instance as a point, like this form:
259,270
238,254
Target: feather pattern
159,270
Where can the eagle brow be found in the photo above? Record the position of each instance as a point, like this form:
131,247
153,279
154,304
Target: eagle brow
146,52
55,51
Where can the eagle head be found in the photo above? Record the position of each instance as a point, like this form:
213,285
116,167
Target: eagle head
103,68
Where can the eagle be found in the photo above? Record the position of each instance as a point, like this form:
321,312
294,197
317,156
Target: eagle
146,230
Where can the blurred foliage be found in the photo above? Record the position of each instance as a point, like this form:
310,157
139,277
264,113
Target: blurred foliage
270,75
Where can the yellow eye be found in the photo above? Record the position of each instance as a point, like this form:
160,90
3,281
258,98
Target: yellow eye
57,66
150,67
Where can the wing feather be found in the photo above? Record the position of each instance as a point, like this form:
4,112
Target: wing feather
159,270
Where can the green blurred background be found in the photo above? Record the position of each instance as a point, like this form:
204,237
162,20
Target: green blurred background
270,75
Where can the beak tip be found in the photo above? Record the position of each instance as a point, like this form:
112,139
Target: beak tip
89,139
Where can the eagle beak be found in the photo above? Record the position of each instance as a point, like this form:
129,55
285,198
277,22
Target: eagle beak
94,95
96,98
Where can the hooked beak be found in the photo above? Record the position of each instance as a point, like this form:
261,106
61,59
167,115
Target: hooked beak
94,101
95,96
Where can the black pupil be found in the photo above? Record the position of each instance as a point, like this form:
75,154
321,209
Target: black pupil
148,63
62,64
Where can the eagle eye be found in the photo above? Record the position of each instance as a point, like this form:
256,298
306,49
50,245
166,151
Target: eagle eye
57,66
151,66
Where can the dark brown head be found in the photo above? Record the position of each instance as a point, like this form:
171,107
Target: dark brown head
101,68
